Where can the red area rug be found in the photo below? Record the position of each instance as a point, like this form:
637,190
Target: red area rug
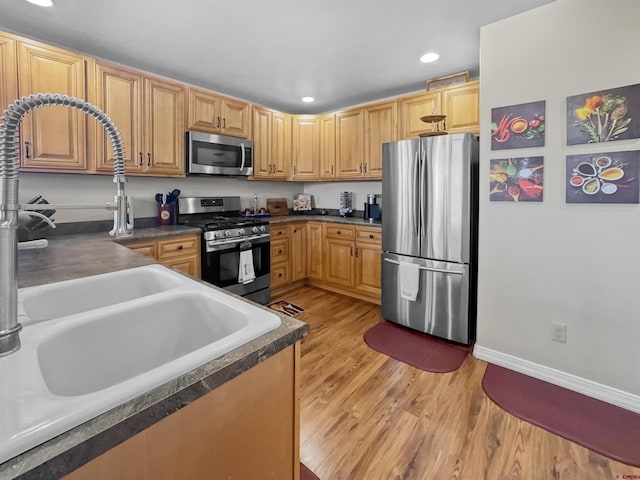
306,474
415,348
609,430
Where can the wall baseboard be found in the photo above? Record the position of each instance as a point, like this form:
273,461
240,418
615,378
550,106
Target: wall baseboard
592,389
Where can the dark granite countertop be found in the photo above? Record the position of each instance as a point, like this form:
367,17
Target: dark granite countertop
356,220
75,256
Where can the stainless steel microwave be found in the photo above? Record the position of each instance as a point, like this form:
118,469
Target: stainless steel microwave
209,154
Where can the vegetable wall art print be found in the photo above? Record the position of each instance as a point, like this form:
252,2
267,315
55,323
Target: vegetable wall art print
516,179
604,116
603,177
518,126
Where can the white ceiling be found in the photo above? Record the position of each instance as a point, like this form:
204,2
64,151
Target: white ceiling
273,52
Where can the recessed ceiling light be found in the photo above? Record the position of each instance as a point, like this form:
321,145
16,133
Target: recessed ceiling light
308,99
429,57
42,3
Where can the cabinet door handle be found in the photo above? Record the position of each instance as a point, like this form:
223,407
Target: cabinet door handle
331,169
224,123
361,168
217,122
279,252
294,169
148,159
365,168
356,252
26,150
352,251
140,158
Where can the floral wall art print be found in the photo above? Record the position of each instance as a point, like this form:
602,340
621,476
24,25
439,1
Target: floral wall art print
603,177
516,179
604,116
518,126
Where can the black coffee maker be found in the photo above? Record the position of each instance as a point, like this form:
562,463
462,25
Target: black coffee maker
373,207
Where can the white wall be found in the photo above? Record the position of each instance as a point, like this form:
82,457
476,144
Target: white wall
577,264
70,188
327,194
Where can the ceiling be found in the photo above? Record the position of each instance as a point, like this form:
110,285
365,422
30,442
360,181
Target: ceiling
273,52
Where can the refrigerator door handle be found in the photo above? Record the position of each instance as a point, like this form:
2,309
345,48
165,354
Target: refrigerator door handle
439,270
418,211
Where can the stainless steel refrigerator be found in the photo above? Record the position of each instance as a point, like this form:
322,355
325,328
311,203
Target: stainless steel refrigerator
429,235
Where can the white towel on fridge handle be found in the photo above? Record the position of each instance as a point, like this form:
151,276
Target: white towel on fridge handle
409,274
246,272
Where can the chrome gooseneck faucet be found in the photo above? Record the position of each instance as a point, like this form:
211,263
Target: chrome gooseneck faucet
9,206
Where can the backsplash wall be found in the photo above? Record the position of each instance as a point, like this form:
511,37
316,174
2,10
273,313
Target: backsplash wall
71,188
327,194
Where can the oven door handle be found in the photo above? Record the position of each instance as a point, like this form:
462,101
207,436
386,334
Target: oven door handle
243,156
215,243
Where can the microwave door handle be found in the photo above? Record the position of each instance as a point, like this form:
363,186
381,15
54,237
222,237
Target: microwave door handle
243,156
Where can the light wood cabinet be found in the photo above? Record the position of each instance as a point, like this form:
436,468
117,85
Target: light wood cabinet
280,263
149,113
271,144
412,108
213,113
305,161
339,265
247,428
8,71
459,103
298,260
350,144
327,147
380,126
179,252
52,138
315,251
368,278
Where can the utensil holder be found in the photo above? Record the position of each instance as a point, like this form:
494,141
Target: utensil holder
166,213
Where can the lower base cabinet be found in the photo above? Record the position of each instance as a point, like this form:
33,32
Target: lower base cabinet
248,428
179,252
339,257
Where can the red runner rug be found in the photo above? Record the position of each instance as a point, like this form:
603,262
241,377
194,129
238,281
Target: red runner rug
415,348
599,426
306,474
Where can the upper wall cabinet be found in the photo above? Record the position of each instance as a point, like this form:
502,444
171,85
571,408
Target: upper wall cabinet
52,138
460,104
380,126
305,161
328,147
8,71
271,144
350,144
149,115
209,112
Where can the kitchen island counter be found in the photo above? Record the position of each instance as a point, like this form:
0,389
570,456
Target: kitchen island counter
77,256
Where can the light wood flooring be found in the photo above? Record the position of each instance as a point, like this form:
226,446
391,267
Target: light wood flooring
365,416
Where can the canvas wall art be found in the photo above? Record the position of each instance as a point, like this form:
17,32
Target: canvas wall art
603,178
604,116
516,179
518,126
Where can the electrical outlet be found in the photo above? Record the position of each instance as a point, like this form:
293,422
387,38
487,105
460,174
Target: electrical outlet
559,332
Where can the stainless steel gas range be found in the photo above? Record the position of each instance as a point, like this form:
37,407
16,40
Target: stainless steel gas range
235,249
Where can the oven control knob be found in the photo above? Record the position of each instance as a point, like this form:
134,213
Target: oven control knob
227,233
263,228
255,229
241,231
219,234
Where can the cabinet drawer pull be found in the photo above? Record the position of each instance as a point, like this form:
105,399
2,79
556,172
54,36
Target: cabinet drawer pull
279,252
26,150
180,247
338,232
371,235
279,275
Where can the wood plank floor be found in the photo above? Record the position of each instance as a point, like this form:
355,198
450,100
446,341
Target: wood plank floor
365,416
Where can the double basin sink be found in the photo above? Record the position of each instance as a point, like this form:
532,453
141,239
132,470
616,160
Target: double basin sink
91,344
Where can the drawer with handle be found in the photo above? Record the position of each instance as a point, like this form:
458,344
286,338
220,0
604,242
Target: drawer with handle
341,232
178,247
369,235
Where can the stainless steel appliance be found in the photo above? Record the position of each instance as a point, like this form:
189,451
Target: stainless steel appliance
429,235
225,236
209,154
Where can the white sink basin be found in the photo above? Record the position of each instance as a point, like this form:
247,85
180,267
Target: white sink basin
94,355
82,294
98,351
